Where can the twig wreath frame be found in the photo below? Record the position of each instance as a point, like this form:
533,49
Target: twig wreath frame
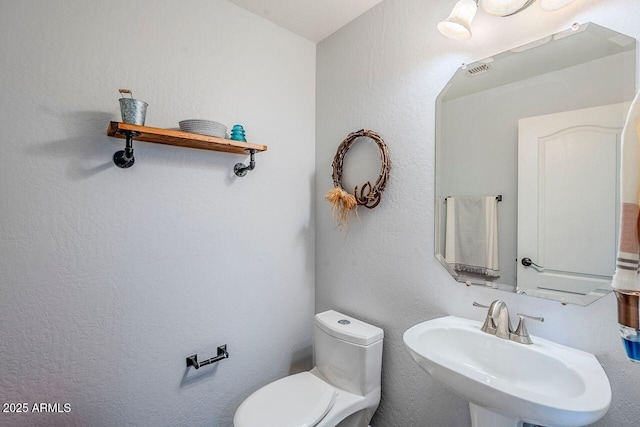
369,195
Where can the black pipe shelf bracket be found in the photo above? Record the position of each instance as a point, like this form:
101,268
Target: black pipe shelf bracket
222,354
124,158
241,170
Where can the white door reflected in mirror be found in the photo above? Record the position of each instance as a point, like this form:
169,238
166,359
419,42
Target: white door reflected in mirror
568,168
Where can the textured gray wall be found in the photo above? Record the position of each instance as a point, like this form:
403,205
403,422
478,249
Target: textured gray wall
383,72
109,278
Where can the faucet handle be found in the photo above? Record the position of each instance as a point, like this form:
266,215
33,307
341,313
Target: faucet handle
521,334
539,319
475,304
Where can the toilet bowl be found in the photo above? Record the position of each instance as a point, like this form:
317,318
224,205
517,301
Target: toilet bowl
342,390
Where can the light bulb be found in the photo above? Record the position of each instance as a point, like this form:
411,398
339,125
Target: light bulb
458,25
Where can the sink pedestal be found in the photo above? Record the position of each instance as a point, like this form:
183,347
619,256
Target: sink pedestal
482,417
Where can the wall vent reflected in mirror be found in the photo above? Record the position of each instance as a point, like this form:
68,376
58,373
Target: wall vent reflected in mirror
543,129
479,69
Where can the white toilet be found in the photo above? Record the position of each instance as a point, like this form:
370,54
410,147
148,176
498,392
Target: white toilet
342,390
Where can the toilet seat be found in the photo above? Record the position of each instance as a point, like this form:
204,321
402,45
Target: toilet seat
300,400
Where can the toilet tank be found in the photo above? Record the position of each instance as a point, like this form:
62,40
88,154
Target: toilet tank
348,352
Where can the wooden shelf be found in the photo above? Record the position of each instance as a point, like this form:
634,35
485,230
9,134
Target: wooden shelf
181,139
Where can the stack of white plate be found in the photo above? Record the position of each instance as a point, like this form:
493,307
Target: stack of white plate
204,127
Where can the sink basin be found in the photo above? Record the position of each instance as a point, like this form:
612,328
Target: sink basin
507,383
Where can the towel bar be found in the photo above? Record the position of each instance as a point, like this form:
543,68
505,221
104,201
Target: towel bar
498,198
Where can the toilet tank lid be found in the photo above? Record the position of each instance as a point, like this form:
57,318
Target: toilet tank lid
347,328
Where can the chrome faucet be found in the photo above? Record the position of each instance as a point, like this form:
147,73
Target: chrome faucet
499,315
498,323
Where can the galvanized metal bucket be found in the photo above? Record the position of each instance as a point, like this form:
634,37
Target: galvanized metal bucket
133,111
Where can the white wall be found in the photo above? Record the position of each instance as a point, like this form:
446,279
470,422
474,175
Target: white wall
383,72
109,278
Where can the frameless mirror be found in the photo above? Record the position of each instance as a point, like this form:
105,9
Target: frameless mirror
527,165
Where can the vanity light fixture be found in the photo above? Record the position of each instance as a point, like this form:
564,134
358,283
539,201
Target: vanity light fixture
505,7
458,25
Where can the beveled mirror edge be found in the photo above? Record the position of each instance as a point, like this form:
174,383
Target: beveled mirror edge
563,298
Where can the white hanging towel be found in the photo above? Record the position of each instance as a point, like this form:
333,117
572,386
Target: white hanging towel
471,239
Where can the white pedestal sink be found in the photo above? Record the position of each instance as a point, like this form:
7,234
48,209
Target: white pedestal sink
507,383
